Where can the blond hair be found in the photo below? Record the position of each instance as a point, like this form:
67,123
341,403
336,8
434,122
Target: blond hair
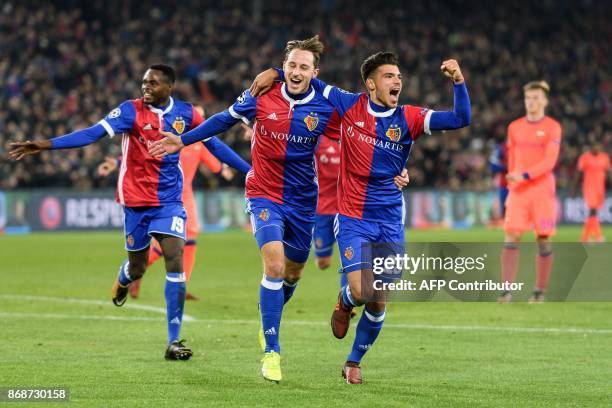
313,44
543,85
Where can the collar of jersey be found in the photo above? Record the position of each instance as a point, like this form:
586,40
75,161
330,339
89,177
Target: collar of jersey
162,112
382,114
292,101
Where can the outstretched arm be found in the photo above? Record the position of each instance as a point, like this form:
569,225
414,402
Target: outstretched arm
243,109
79,138
461,115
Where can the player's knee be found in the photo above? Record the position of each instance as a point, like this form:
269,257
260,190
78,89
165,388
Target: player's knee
274,269
324,263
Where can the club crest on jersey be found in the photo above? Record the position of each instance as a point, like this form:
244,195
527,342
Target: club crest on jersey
349,253
394,133
179,124
264,215
312,120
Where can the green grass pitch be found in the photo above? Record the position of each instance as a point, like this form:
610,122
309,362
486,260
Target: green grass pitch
59,328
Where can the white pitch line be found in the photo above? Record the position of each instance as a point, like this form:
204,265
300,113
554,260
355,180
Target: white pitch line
135,306
78,317
568,330
510,329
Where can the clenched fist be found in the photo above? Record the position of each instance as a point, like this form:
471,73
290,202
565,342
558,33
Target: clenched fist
451,69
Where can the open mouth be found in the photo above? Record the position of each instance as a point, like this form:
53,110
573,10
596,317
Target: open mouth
295,81
395,92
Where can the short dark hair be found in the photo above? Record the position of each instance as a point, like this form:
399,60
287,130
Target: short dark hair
312,44
167,70
374,61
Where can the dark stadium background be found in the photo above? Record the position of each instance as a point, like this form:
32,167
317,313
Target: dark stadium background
64,64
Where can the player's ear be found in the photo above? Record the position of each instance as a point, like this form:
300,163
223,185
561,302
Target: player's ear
316,73
370,84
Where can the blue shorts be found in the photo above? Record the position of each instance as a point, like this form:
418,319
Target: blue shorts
141,222
282,222
354,235
324,235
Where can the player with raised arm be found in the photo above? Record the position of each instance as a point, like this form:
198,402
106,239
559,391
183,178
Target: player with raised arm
376,138
281,189
593,165
534,142
148,188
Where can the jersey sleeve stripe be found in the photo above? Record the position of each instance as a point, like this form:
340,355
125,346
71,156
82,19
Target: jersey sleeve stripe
326,91
107,127
426,128
236,115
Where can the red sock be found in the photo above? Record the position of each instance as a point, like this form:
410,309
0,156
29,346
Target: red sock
544,264
510,261
596,227
189,254
154,253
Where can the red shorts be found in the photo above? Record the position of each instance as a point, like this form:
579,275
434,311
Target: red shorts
527,211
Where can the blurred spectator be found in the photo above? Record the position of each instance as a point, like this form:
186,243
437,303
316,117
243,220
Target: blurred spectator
64,64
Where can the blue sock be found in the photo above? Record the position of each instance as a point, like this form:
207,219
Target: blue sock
368,328
347,299
271,301
288,289
343,279
175,300
124,274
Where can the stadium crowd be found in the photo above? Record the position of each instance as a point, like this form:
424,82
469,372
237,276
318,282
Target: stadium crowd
65,64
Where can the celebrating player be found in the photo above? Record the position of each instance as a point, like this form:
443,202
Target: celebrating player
376,138
190,159
281,189
534,142
593,164
149,189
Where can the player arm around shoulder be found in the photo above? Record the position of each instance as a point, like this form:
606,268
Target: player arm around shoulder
461,115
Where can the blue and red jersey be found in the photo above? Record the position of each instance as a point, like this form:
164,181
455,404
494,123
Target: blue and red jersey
143,179
376,142
286,134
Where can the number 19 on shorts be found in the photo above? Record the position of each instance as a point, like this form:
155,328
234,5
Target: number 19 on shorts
178,225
